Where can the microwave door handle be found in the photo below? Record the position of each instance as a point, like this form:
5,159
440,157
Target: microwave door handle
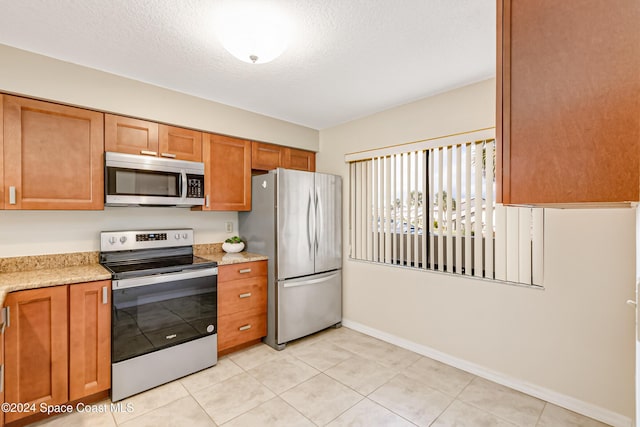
183,189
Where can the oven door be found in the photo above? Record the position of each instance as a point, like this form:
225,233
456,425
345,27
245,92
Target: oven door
155,312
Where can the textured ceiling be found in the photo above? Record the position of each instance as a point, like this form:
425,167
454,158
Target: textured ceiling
348,59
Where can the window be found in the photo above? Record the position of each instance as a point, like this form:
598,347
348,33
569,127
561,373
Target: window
431,205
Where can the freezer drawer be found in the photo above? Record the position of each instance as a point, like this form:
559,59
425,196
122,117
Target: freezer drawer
307,305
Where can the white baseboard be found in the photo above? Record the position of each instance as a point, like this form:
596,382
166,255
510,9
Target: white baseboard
559,399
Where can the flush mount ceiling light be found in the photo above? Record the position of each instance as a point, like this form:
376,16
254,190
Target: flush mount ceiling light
254,32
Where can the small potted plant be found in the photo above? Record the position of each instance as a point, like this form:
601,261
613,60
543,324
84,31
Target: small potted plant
233,244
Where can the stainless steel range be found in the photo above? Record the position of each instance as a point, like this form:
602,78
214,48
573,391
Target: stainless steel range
164,314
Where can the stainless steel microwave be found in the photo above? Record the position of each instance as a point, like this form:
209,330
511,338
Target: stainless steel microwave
134,180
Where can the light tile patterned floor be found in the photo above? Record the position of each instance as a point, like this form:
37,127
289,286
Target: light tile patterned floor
338,377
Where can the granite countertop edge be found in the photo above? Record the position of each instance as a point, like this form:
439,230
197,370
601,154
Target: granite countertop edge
45,277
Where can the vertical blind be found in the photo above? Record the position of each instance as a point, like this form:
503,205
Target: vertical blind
431,205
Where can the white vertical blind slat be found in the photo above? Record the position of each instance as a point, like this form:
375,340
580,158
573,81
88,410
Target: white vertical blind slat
438,196
402,202
387,209
501,243
477,229
425,212
432,259
449,205
375,218
408,227
513,245
394,211
524,243
458,255
468,261
416,209
489,209
537,255
369,211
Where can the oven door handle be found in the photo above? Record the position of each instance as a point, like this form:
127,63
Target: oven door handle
163,278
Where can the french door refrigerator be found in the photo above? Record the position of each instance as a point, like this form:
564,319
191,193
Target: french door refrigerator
296,220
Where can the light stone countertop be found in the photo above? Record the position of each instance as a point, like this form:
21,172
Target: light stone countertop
31,279
28,273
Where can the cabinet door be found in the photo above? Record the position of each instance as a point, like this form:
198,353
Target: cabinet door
266,156
36,348
180,143
130,136
568,93
89,338
300,159
53,156
227,163
1,157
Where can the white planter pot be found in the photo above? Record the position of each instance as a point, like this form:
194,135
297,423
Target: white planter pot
232,247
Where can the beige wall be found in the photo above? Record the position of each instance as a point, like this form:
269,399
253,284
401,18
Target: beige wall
575,339
42,77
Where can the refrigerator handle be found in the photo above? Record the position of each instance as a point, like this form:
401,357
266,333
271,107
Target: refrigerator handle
309,232
318,219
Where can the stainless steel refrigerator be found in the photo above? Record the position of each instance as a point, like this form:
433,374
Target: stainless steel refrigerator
296,220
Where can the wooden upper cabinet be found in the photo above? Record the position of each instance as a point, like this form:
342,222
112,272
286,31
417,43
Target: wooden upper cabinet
227,163
53,156
266,156
130,136
1,154
568,110
36,348
300,159
180,143
89,338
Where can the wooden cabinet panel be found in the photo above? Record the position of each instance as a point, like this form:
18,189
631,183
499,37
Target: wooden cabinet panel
180,143
130,136
242,304
1,157
266,156
53,155
227,163
568,93
89,338
36,348
300,159
238,328
243,270
241,295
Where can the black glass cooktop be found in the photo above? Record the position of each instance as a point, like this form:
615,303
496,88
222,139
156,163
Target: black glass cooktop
160,265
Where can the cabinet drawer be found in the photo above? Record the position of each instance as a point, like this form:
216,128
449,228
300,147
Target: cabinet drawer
242,295
238,328
242,271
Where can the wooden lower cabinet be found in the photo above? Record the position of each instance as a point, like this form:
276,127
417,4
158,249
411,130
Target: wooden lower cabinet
57,345
242,305
36,349
89,339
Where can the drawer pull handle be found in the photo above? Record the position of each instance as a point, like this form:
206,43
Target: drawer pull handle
244,328
148,153
105,298
169,155
247,295
12,195
244,270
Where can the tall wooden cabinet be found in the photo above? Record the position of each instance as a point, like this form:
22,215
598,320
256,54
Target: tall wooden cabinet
57,345
568,101
227,163
52,156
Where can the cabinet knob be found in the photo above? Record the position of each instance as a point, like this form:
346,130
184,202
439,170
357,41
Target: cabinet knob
12,195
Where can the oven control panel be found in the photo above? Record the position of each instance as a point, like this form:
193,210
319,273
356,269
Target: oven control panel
150,237
145,239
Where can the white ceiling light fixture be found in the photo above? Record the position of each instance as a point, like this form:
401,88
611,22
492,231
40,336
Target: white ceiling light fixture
254,32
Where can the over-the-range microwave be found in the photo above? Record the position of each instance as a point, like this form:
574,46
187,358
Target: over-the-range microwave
136,180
